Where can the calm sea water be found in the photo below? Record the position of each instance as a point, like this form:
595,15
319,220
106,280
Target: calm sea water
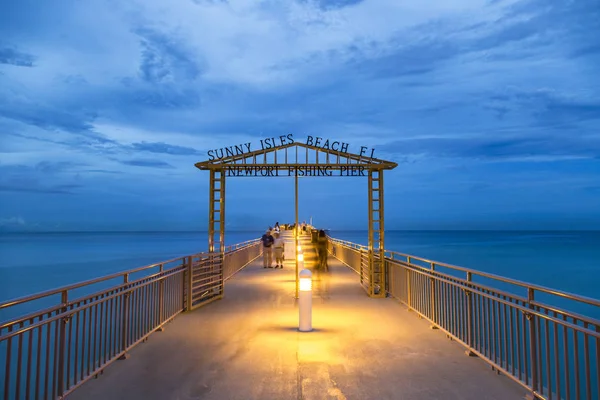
564,260
33,262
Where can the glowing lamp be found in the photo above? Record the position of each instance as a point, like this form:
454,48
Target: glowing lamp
305,282
305,301
299,248
300,257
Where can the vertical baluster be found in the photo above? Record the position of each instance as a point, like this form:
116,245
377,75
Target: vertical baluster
83,339
524,354
566,358
135,314
455,290
109,338
495,325
19,360
125,317
433,296
539,350
96,337
511,338
101,334
89,337
548,374
532,341
8,358
586,353
556,357
116,319
408,283
57,324
505,334
68,362
576,360
29,363
598,362
76,359
470,324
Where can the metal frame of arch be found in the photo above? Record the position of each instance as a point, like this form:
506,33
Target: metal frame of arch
313,161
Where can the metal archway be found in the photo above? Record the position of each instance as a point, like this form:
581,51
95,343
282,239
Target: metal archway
314,161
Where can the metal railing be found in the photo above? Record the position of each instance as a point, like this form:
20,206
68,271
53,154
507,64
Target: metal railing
522,330
239,255
355,256
69,335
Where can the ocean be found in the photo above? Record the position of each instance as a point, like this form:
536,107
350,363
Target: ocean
568,261
565,260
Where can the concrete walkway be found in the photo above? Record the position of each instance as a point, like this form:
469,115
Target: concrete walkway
246,346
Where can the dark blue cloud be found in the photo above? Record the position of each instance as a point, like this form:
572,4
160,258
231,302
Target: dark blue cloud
333,4
147,163
28,188
164,148
521,146
165,59
15,57
60,166
51,118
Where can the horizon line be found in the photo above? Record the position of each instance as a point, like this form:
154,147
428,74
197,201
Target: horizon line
329,229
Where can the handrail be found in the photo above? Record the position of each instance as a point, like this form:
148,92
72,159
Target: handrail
51,292
516,282
526,285
114,319
550,351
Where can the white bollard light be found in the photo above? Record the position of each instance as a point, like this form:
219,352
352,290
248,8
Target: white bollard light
305,301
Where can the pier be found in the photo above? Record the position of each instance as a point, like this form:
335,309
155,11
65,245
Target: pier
217,325
247,346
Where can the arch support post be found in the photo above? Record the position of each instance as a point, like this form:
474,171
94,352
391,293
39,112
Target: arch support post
377,272
216,224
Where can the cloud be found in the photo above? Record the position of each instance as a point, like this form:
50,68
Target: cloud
31,188
147,163
517,147
164,148
15,57
165,59
12,221
57,166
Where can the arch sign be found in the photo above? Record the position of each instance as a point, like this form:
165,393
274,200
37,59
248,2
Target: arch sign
314,157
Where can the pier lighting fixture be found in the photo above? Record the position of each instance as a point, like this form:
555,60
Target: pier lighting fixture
305,301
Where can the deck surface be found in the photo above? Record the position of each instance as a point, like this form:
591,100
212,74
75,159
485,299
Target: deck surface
246,346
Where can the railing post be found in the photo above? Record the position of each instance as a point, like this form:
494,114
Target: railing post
62,345
470,326
532,343
189,268
408,285
433,299
125,321
161,300
360,264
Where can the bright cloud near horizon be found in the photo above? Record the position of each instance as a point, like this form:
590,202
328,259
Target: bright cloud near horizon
491,108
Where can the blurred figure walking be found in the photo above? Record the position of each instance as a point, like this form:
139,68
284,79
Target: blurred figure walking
279,249
267,242
322,250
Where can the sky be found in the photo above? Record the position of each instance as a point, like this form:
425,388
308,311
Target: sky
491,108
